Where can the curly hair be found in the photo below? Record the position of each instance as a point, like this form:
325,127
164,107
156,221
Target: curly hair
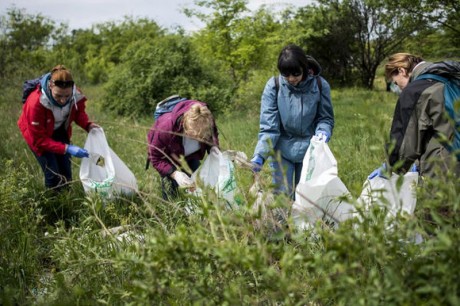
198,122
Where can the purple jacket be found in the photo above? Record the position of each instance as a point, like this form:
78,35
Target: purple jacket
165,140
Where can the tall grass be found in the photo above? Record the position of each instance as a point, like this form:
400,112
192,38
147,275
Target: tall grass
60,249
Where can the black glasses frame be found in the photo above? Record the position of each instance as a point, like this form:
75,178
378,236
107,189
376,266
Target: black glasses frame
294,74
63,84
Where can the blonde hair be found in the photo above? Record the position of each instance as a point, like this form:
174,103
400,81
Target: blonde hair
61,73
198,122
401,60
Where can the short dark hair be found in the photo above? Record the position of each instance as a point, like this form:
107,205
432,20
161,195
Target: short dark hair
292,60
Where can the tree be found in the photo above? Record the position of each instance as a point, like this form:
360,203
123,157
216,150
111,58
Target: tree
97,51
358,35
150,71
234,42
443,37
24,40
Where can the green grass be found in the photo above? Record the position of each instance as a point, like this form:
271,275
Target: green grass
55,251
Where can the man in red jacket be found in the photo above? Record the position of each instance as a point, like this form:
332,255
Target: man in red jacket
45,124
188,131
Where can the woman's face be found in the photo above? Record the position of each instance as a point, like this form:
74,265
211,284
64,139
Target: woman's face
60,94
401,78
293,78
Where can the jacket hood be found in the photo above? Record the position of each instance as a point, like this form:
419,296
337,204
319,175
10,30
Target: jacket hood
446,69
303,86
314,65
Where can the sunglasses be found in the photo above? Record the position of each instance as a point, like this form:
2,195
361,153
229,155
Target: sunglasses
294,74
63,84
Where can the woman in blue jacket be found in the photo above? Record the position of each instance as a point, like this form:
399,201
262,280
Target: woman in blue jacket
294,108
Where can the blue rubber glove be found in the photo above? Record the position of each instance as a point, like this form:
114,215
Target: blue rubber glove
414,168
257,162
322,135
378,172
76,151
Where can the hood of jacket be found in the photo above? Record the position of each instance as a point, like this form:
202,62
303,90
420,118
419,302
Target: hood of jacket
314,65
445,69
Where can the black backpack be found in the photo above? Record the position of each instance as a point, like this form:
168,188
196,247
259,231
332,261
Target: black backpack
30,86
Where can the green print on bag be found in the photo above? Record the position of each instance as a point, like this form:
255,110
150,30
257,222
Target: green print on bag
103,188
311,163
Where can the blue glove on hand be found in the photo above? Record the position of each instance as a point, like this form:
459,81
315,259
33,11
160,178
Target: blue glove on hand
257,162
413,168
322,135
378,172
77,151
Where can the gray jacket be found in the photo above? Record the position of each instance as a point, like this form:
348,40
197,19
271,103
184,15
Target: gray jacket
420,124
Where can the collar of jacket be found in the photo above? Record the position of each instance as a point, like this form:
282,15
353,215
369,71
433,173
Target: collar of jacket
302,86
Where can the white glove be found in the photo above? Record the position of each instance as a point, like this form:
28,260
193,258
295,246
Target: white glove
182,179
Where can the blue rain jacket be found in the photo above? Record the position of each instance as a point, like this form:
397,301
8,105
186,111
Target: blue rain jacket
288,122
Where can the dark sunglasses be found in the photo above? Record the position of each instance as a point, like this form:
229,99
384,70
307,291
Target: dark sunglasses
63,84
294,74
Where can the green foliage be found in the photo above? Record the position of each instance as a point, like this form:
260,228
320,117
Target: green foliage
95,52
153,71
362,32
144,250
237,45
24,43
76,249
20,217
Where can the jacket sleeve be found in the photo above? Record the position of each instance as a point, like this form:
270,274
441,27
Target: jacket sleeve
159,153
325,115
269,132
81,117
418,110
37,120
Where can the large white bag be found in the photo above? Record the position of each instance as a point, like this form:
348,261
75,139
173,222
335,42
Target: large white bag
218,173
104,172
386,193
320,193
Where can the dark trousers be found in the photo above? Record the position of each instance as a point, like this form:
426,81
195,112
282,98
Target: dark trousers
56,167
169,187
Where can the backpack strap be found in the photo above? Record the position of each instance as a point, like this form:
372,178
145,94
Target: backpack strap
451,95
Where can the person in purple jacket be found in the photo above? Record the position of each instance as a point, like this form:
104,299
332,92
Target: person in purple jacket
185,133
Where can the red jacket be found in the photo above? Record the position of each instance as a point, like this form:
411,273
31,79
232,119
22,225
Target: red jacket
165,140
37,123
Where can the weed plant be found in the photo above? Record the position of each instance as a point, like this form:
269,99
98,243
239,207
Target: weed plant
77,249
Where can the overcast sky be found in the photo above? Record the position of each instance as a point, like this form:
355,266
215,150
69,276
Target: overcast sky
84,13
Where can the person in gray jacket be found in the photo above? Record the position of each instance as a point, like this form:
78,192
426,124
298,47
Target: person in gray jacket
421,130
294,107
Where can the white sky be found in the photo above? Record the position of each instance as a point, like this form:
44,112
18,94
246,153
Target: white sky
84,13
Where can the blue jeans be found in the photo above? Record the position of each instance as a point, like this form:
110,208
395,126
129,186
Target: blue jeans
285,176
56,167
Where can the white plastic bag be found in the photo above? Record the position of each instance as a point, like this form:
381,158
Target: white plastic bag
320,193
218,173
386,193
104,172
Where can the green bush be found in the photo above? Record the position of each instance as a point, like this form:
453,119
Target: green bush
151,71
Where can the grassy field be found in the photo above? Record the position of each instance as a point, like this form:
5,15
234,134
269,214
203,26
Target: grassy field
55,250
